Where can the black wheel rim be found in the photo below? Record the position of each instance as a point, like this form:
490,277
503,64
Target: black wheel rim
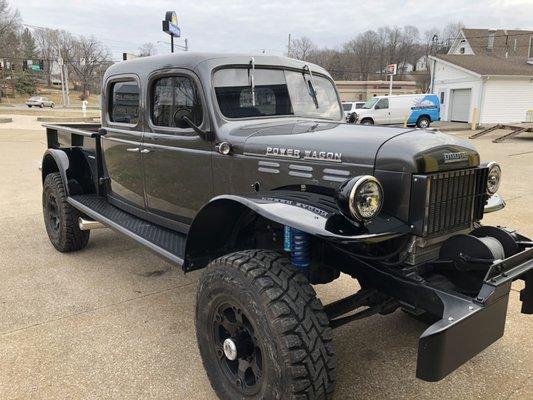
245,373
52,210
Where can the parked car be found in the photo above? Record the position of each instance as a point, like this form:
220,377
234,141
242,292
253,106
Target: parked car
244,166
419,109
351,106
39,101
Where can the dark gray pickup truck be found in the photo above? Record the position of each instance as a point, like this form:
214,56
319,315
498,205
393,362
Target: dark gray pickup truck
243,166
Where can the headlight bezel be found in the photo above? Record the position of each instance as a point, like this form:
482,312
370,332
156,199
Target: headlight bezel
490,167
348,193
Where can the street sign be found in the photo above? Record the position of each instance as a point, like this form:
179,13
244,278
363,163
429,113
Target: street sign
391,69
170,24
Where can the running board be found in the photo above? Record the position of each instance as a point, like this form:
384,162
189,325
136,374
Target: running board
166,243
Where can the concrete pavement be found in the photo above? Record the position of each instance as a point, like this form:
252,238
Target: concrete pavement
114,321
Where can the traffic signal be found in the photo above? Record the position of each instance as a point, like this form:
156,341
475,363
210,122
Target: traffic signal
41,65
24,65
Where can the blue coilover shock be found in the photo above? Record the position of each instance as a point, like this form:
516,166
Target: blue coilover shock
300,248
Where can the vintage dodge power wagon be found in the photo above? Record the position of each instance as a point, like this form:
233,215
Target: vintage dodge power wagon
244,166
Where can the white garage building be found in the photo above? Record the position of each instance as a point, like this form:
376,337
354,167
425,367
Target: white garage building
491,70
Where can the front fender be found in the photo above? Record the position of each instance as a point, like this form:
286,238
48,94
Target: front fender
309,212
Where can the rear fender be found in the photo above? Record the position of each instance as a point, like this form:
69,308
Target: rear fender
211,232
74,168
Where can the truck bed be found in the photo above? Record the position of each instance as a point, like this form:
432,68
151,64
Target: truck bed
71,135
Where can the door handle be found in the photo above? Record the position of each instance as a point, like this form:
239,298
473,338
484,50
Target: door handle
144,151
133,149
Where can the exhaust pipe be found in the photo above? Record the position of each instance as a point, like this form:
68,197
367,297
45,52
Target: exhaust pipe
88,224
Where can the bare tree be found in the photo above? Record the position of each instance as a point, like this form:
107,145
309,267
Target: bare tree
363,49
147,49
302,48
9,20
86,60
54,44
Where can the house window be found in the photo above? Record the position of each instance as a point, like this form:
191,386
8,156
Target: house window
441,97
462,50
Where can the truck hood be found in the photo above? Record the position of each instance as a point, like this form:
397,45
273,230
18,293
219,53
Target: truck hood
328,142
378,147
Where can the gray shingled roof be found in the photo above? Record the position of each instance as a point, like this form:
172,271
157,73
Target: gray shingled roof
490,65
503,59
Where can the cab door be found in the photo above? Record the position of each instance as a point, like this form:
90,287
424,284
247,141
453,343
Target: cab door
382,112
176,160
121,144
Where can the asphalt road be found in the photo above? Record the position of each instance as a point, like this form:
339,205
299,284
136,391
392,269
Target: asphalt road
115,322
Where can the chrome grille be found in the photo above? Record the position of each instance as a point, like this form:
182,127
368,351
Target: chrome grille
453,200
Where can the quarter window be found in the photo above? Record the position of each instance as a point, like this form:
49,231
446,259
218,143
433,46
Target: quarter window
124,102
173,98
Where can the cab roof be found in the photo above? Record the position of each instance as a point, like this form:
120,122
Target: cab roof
203,62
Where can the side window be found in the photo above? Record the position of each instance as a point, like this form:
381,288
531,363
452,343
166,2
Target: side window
173,98
124,102
382,104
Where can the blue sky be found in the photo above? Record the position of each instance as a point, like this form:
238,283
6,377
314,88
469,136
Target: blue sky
251,26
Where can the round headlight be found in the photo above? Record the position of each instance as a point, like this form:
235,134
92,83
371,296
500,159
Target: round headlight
494,178
361,198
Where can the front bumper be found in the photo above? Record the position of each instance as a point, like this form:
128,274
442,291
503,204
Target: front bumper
470,325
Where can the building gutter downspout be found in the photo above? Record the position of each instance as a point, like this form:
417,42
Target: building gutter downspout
484,79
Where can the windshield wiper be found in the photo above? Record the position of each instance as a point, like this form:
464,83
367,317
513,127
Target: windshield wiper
311,84
251,71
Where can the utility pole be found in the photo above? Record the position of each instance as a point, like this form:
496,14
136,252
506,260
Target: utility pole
289,46
66,84
60,63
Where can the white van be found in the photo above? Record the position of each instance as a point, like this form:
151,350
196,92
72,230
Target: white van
350,106
419,109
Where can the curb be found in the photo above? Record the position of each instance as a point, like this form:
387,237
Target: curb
68,119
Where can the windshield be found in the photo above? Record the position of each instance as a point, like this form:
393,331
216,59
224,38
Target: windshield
277,93
346,106
370,103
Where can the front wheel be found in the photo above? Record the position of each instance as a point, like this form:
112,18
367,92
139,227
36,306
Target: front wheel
261,331
60,218
423,122
367,121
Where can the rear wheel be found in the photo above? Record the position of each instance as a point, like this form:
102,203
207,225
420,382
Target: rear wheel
52,105
423,122
29,106
261,331
60,218
367,121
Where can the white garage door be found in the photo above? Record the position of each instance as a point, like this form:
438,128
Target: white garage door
460,105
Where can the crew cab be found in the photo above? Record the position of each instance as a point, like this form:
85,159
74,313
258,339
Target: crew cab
244,167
